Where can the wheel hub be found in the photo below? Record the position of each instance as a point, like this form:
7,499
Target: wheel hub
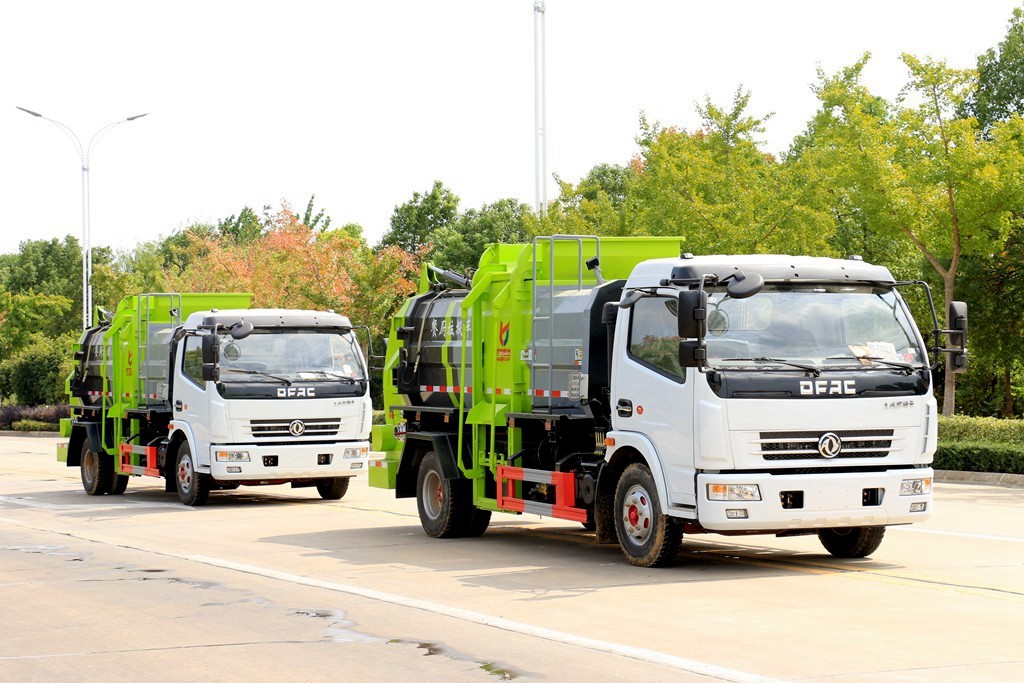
637,515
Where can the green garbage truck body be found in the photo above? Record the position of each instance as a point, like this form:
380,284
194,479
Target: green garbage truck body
209,394
641,392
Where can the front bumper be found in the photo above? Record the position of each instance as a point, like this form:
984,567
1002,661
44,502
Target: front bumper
290,462
828,500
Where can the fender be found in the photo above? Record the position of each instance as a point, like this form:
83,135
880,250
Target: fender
417,443
640,443
185,429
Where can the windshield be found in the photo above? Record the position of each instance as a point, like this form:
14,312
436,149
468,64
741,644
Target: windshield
290,355
826,326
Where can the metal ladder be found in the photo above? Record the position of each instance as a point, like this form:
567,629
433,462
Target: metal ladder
143,318
544,403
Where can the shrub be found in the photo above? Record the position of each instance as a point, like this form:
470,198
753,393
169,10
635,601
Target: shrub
49,415
34,426
980,456
36,373
378,417
977,429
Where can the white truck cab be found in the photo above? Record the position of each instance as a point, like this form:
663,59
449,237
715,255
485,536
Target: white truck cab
267,396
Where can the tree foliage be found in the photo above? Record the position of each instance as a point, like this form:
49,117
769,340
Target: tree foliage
414,223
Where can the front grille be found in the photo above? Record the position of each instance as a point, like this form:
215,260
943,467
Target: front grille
281,428
857,443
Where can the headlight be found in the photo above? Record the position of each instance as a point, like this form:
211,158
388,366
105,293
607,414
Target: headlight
915,487
232,456
733,492
354,453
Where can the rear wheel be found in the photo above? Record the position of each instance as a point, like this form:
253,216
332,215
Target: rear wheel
193,486
858,541
444,506
97,471
648,537
332,489
118,483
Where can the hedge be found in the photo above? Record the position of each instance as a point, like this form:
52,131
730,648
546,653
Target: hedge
980,456
960,428
46,415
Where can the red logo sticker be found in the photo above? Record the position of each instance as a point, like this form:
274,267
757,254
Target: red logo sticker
639,410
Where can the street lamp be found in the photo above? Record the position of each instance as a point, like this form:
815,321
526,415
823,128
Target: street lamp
539,105
83,155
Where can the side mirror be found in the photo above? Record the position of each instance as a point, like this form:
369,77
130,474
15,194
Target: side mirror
211,373
211,349
958,325
693,354
958,361
693,312
742,286
240,330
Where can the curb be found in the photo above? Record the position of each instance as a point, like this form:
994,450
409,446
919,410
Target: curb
998,478
13,432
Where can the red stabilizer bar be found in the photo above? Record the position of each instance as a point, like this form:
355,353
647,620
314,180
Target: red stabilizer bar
150,469
565,493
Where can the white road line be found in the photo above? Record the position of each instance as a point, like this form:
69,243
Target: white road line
690,665
125,505
961,534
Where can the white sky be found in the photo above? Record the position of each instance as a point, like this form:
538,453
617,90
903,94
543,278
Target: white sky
365,103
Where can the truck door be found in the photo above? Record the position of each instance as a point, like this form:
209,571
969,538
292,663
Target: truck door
189,401
650,394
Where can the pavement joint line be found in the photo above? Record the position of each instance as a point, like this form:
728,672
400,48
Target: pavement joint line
643,654
962,534
608,647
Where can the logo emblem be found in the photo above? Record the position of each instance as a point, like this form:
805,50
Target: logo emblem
503,330
298,428
829,445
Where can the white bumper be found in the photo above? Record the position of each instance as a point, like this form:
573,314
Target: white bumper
293,461
829,500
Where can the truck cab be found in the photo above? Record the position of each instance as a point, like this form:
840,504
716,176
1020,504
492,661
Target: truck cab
287,400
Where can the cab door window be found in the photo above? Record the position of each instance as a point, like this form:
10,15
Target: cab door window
192,361
653,336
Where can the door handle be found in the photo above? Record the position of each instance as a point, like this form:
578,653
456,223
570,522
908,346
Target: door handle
177,406
624,407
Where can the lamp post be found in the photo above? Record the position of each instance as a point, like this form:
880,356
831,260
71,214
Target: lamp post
540,143
83,156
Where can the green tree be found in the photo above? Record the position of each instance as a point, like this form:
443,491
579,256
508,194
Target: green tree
461,244
721,192
1000,91
915,171
596,205
36,373
414,223
25,316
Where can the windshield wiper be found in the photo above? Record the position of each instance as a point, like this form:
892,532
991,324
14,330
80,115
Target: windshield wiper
907,367
337,375
761,359
245,371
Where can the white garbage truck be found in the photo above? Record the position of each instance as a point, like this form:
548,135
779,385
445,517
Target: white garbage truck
210,395
646,393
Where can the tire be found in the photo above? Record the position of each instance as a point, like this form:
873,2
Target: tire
332,489
97,471
647,537
858,541
476,522
118,483
444,506
193,486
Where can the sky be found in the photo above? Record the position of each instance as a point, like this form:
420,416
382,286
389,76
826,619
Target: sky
364,103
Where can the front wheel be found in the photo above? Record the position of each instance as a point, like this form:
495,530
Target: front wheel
648,537
97,471
332,489
858,541
193,486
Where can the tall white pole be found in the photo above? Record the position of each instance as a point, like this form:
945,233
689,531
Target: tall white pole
541,150
83,156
